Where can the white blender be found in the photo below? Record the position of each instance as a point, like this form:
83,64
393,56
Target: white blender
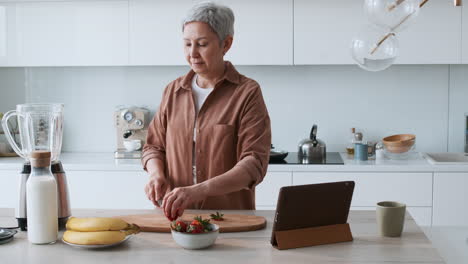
41,129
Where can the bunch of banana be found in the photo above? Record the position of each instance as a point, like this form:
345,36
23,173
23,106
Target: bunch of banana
98,230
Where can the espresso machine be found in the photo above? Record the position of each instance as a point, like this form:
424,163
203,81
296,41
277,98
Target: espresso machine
40,129
131,125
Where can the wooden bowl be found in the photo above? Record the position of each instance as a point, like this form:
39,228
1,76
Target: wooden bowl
399,143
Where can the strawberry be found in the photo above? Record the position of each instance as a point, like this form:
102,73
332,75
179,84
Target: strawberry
217,216
195,222
180,226
195,229
205,223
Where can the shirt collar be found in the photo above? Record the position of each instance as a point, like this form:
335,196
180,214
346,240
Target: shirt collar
230,74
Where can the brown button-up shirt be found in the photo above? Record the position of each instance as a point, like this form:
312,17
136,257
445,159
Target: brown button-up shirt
233,135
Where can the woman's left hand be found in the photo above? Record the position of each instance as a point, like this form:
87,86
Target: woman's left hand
177,200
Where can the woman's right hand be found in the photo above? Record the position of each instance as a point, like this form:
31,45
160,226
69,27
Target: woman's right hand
156,188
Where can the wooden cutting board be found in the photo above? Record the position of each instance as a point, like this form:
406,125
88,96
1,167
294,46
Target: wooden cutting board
231,222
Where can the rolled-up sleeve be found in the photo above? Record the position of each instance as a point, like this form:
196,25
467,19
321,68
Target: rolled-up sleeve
155,146
254,139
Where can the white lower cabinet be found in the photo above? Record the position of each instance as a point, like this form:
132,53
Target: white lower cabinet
413,189
266,193
108,189
450,198
422,215
10,186
438,200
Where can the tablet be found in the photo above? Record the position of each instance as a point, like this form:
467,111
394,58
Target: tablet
312,205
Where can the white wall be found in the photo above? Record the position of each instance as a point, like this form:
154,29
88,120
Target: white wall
90,95
12,88
402,99
458,102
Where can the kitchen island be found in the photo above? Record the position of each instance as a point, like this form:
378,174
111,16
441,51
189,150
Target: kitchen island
243,247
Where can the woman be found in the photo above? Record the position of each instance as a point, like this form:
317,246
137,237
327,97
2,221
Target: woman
208,145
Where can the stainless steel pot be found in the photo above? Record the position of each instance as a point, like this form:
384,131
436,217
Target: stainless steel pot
312,148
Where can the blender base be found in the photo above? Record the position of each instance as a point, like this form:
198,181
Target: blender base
23,223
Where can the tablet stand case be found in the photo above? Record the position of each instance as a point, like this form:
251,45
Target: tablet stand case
297,223
313,236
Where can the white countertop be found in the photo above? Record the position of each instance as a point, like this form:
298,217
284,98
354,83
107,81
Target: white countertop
97,161
105,162
450,241
243,247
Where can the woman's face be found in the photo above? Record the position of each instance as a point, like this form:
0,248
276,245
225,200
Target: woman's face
202,48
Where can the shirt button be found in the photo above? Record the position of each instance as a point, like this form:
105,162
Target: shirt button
199,172
199,150
198,130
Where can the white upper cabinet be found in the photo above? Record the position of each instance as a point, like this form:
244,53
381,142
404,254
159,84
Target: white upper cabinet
323,31
267,32
7,35
434,37
156,32
465,33
68,33
262,32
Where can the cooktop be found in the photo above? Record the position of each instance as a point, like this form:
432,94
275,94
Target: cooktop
332,158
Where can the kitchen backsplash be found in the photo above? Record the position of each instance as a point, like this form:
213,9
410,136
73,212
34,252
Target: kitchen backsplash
427,100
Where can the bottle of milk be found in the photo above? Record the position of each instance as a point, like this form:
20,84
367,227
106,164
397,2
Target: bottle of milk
41,200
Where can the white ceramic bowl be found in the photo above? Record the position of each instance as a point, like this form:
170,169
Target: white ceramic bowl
196,241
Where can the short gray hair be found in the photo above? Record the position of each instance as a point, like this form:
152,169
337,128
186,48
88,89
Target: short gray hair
219,17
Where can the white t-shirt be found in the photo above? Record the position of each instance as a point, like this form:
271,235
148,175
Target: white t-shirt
199,96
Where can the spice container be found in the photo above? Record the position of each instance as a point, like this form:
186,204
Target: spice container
357,137
350,146
379,151
371,148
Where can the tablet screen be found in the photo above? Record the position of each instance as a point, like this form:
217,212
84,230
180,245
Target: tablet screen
312,205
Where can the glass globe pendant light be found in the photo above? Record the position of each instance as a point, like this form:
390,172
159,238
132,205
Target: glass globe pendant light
394,14
374,48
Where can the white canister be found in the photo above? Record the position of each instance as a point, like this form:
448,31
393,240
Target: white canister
379,151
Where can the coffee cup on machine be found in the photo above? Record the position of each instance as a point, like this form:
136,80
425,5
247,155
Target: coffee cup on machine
132,144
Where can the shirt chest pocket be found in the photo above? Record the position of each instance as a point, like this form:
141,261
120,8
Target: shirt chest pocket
223,134
223,143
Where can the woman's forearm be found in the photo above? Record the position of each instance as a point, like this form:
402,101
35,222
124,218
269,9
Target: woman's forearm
231,181
156,167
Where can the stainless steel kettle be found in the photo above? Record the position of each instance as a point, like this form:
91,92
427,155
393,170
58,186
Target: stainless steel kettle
312,148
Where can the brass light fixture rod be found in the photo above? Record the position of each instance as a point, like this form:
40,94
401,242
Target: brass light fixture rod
381,41
397,2
391,7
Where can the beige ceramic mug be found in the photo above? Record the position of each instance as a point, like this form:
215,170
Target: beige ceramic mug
390,218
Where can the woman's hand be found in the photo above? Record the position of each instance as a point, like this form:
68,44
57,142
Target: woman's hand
156,188
177,200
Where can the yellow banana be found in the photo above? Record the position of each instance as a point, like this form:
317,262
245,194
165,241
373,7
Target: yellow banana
98,237
93,238
96,224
